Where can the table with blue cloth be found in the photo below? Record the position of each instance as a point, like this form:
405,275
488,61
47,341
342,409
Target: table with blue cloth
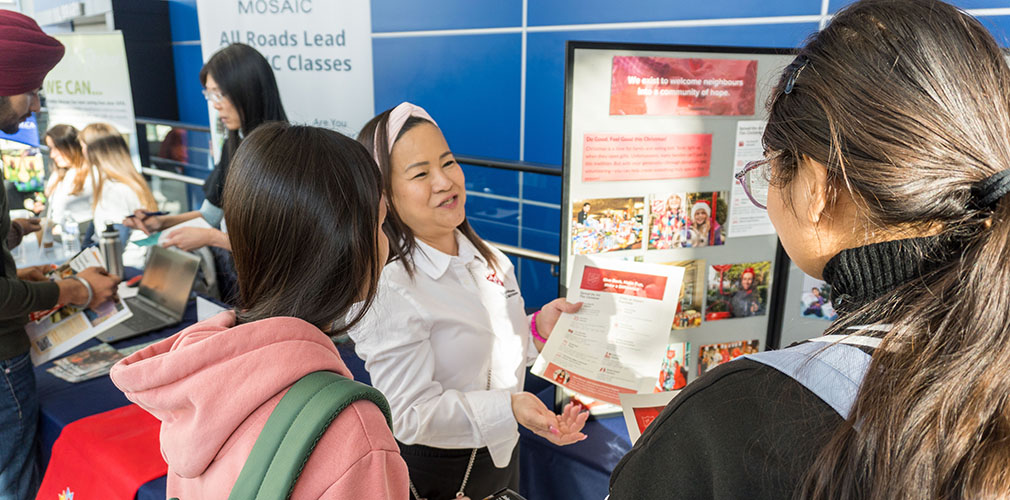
577,472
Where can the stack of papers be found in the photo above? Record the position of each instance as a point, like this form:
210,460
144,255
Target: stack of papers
91,363
87,364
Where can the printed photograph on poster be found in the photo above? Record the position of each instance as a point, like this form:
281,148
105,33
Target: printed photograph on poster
745,218
737,290
640,410
673,374
640,157
713,355
607,225
687,220
682,87
816,300
692,293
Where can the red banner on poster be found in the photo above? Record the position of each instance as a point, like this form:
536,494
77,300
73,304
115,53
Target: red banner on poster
682,87
623,283
640,157
586,386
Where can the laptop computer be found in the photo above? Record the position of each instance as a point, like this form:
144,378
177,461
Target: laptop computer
161,298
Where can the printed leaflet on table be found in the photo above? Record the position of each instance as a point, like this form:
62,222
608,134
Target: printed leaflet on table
615,343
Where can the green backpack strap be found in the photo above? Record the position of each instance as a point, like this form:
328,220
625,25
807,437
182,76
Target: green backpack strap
292,431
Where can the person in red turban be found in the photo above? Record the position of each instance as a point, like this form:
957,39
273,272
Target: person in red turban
26,56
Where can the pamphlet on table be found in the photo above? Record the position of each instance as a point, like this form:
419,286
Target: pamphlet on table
616,342
58,330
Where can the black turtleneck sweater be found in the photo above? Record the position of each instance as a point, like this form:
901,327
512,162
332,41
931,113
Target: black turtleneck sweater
745,430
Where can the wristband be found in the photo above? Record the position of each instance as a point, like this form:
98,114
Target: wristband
533,328
87,286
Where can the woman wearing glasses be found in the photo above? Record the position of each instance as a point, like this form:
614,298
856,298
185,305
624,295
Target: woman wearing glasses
239,82
887,174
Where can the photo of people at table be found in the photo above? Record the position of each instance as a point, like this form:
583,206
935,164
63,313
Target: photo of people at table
687,220
692,293
737,290
711,356
607,225
816,300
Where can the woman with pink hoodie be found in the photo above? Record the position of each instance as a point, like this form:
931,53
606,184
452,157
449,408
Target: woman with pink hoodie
305,230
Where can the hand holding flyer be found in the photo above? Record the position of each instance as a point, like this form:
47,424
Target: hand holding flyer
60,329
615,343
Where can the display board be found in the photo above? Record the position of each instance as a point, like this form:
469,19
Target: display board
320,53
92,84
653,137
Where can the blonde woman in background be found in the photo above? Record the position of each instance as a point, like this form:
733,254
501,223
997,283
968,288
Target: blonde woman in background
71,186
120,189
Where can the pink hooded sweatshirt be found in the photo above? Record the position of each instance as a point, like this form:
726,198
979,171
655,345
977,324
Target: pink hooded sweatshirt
213,386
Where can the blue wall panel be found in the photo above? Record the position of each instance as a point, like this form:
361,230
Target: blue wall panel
492,181
192,105
400,15
566,12
493,219
469,84
185,24
546,66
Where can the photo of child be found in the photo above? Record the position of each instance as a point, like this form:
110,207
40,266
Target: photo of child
687,220
714,355
816,300
673,374
692,293
607,225
737,290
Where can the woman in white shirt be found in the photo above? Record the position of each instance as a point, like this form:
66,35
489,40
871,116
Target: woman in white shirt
447,339
72,183
120,189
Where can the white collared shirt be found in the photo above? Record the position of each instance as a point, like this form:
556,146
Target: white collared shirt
428,343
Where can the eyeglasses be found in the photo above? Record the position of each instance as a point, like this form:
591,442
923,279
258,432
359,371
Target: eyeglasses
213,96
755,178
36,94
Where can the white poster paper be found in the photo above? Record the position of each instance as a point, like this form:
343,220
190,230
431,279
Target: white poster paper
617,341
745,219
92,84
320,51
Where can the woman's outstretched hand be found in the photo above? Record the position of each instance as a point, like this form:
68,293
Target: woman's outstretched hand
563,429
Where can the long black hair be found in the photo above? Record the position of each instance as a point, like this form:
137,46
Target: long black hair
247,80
245,77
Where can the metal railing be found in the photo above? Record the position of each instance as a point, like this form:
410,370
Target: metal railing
517,166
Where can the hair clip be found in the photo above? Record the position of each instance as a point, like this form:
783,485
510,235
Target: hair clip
795,68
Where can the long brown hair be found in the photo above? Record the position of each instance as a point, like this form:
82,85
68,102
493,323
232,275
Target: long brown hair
107,150
906,105
305,239
64,139
401,238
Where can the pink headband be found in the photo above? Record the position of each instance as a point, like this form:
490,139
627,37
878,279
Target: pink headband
397,119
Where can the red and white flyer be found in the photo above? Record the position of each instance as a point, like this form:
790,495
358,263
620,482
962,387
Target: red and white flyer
615,343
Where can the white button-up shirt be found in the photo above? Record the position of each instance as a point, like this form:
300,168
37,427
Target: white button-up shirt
429,341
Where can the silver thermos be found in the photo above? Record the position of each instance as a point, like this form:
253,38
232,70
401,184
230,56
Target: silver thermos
112,250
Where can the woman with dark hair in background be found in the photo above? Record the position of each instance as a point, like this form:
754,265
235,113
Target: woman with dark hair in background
308,246
239,82
888,165
448,339
72,182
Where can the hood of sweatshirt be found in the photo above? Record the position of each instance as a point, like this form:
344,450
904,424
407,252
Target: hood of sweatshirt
203,382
